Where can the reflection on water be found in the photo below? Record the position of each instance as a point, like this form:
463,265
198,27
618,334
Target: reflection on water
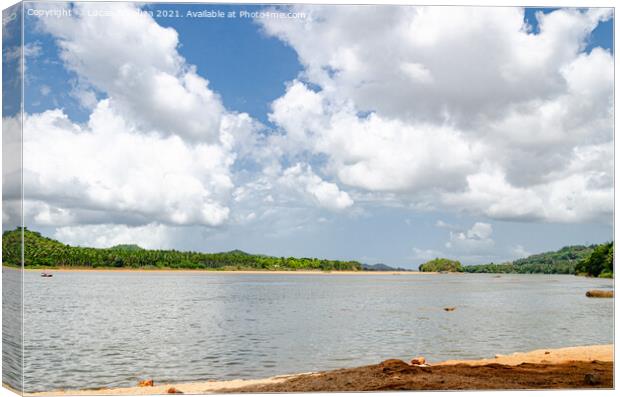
93,329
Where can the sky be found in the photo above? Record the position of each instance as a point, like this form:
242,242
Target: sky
383,134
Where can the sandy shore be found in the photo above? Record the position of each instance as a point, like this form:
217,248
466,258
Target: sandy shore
287,272
546,356
570,367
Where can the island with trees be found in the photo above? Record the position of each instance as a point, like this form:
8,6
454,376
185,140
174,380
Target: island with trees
441,265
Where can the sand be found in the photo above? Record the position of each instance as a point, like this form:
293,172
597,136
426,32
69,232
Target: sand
286,272
546,356
187,388
571,367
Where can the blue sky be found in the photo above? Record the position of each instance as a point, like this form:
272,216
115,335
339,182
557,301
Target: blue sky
249,66
10,80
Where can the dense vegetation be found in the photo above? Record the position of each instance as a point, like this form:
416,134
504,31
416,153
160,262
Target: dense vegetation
592,260
563,261
600,263
43,252
441,265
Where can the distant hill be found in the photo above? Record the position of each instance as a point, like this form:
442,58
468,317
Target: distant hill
382,267
563,261
239,252
43,252
127,247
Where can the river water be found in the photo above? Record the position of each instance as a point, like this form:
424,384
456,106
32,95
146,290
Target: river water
96,329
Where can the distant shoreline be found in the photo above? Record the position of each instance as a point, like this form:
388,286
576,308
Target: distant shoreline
210,271
286,272
539,369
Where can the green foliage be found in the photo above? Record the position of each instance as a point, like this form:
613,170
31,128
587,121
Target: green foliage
568,260
441,265
491,268
43,252
600,263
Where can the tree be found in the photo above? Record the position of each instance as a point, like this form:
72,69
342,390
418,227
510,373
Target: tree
441,265
599,263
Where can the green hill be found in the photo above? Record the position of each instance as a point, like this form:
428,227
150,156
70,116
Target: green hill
382,267
127,247
568,260
43,252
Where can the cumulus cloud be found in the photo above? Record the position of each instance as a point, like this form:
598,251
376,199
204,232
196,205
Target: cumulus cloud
576,197
476,240
295,187
469,245
11,172
107,167
372,152
463,109
135,62
326,194
158,149
150,236
465,104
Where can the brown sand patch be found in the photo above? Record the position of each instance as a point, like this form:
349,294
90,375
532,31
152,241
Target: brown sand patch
401,376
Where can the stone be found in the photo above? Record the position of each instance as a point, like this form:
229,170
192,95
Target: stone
394,365
174,390
597,293
592,379
418,361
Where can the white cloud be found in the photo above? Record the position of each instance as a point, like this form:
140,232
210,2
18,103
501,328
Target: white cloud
477,240
519,252
372,152
417,72
160,146
135,62
11,172
297,186
325,194
574,197
480,231
465,105
108,167
426,254
465,110
151,236
445,225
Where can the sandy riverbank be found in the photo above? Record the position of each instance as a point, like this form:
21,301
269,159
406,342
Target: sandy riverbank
571,367
287,272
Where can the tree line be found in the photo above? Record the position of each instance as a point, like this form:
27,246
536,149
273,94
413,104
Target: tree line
593,260
43,252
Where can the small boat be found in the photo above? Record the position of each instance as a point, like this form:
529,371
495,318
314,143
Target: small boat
46,274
